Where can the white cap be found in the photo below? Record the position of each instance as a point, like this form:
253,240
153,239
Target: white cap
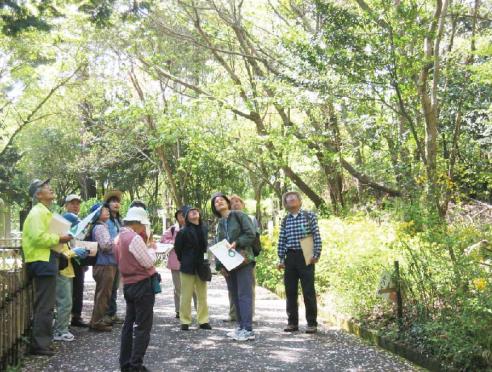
137,214
71,197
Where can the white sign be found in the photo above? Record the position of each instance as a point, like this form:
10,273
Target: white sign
230,258
163,248
59,225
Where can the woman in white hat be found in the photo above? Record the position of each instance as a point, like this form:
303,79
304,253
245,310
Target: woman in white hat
136,265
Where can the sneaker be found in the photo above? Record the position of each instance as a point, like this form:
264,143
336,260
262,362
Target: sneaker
79,322
107,320
100,327
205,326
244,335
291,328
233,333
311,329
177,315
42,352
185,327
67,336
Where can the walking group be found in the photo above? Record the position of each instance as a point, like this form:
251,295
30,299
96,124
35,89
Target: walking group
126,251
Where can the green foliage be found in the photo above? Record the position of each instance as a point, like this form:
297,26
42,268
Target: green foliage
447,294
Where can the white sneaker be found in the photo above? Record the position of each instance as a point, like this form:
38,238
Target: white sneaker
67,336
233,333
244,335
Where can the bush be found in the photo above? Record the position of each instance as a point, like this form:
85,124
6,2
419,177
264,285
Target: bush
447,293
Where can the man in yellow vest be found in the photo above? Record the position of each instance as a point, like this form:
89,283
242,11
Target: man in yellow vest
38,245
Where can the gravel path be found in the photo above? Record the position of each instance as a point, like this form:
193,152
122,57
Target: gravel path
171,349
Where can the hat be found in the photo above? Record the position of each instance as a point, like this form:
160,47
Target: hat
72,218
95,207
285,195
35,185
112,194
186,210
71,197
212,201
137,214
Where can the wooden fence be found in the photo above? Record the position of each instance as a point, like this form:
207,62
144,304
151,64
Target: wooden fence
16,300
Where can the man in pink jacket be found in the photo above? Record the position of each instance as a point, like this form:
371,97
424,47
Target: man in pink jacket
172,260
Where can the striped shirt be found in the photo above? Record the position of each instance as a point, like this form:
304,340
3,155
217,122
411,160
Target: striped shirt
296,227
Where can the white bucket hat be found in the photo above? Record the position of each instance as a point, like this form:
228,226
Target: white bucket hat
137,214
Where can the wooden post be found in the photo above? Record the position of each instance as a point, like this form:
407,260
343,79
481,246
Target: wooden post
399,299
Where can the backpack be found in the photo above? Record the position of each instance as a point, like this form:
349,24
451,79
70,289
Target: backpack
256,246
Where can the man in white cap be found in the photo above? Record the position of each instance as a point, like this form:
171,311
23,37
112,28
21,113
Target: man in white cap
42,263
72,208
136,265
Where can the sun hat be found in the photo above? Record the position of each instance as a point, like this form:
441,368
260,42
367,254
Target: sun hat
137,214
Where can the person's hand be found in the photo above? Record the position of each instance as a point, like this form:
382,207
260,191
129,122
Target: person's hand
224,272
280,266
232,245
246,258
80,252
65,238
313,260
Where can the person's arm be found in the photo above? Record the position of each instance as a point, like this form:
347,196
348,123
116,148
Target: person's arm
218,234
316,236
281,249
38,231
248,234
145,257
178,245
103,238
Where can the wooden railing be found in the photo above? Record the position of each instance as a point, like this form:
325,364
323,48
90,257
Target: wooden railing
16,303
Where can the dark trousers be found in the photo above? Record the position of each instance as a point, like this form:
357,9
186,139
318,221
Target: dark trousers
114,293
295,270
240,286
44,303
104,277
78,290
135,335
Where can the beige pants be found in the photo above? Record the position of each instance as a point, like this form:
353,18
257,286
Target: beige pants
190,284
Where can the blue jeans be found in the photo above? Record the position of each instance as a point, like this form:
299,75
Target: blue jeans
240,286
63,303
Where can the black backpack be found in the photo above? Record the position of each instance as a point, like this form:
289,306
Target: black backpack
256,246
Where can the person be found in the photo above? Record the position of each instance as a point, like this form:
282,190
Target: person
237,204
113,199
104,270
64,281
169,237
136,265
72,210
138,203
236,227
191,246
296,225
38,246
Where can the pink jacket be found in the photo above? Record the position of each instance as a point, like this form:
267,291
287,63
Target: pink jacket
168,238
